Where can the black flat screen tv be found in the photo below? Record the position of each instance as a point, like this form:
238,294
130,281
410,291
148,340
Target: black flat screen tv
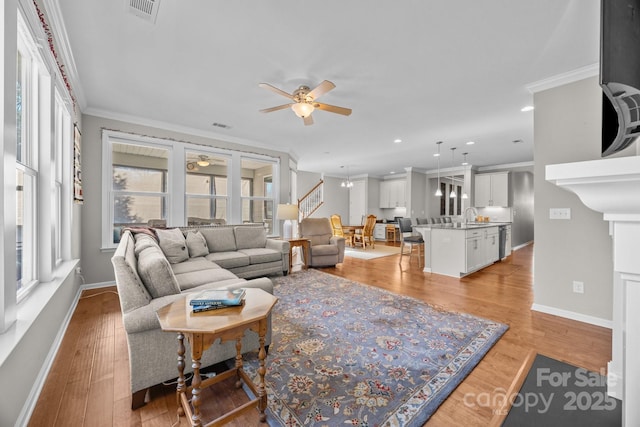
620,74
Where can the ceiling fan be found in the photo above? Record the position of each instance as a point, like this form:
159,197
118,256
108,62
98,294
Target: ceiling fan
304,101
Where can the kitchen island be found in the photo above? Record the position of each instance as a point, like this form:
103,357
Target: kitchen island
459,249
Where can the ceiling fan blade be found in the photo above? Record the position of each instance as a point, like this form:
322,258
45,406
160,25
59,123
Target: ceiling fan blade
279,107
308,120
276,90
321,89
333,108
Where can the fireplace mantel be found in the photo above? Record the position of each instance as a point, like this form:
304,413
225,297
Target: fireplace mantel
612,186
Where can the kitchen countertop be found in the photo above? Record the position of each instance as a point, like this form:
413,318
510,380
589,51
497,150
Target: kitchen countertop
461,226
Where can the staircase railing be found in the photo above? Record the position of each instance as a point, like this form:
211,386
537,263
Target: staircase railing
311,201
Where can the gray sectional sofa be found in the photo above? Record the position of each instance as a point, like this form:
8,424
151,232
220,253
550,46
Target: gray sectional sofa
154,267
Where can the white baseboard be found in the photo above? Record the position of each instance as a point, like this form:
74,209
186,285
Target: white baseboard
597,321
522,245
32,399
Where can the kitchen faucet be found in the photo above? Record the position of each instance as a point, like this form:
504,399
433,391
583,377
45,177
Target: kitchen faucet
475,213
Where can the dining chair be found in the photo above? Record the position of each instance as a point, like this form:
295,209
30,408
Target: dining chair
336,226
407,238
366,237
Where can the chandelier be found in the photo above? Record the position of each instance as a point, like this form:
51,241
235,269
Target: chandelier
348,183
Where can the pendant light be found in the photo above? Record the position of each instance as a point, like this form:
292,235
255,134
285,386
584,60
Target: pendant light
464,163
453,194
438,191
347,183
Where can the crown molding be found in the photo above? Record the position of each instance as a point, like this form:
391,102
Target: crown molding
61,40
171,127
564,78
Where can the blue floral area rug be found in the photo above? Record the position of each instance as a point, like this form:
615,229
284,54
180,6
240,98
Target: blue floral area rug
344,353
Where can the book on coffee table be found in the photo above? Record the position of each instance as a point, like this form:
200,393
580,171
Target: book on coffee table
210,307
218,297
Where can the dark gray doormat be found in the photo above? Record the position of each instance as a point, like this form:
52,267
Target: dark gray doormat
558,394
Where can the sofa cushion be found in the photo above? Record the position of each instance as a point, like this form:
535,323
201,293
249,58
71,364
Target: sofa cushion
219,239
193,264
229,259
196,244
156,274
250,237
320,250
261,255
189,280
173,244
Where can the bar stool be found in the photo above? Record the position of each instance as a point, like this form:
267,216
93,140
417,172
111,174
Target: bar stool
410,240
391,233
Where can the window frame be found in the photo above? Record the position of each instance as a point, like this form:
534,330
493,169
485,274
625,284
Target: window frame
177,172
47,117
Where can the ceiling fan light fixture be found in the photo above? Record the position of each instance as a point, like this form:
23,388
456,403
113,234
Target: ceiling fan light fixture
202,161
302,109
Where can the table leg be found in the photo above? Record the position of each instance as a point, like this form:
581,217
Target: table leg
238,361
262,370
290,259
196,353
305,254
182,387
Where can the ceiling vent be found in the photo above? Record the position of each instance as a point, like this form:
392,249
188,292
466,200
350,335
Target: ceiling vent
145,9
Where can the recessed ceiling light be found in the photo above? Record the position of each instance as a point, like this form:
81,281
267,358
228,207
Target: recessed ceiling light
527,108
397,140
470,143
392,172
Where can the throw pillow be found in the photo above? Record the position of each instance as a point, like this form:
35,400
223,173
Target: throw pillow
173,245
196,244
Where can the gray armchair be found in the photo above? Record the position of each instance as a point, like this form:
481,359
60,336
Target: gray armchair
325,249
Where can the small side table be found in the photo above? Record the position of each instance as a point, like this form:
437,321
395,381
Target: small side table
303,243
202,330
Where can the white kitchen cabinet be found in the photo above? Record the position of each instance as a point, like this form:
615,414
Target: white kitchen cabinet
491,245
392,194
475,254
457,251
492,189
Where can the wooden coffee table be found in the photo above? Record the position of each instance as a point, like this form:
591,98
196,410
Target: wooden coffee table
201,330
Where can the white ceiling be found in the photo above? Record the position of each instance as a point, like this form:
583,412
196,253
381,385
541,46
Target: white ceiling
418,70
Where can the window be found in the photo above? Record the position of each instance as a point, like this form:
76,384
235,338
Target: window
43,123
258,193
27,96
146,179
138,192
62,134
206,188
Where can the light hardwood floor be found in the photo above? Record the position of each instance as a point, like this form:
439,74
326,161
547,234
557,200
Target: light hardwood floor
89,381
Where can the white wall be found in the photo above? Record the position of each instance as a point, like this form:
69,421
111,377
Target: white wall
567,126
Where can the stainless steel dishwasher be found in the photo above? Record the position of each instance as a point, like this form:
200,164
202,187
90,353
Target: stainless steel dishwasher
502,239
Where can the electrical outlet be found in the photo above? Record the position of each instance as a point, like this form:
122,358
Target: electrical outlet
78,271
560,213
578,287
